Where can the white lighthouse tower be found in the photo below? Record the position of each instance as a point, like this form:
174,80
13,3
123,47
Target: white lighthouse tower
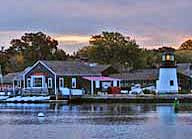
167,82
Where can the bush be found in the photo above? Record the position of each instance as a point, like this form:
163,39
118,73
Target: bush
149,92
184,91
146,91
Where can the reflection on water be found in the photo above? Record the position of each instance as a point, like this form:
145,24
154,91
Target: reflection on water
20,121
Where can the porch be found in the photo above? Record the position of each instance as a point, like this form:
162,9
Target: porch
101,83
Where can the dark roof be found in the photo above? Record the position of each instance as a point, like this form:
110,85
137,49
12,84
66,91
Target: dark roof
10,77
142,74
75,67
185,68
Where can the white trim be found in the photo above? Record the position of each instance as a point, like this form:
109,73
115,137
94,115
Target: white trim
28,79
50,81
61,84
41,62
56,85
38,76
92,88
13,86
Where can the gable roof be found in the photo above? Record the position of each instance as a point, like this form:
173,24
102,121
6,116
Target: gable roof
74,67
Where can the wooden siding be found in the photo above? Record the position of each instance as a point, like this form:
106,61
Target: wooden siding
39,68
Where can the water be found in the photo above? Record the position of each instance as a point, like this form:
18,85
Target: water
94,121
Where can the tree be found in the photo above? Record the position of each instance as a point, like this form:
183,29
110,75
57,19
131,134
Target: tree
113,48
30,48
187,45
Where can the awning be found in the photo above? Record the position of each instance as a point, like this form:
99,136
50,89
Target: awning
101,78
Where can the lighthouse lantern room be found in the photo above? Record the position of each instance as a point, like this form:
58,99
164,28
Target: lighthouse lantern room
167,82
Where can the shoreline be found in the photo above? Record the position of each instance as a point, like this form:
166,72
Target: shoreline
118,98
185,98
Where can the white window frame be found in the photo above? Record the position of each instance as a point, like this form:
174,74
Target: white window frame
28,82
74,83
97,84
61,82
33,78
50,83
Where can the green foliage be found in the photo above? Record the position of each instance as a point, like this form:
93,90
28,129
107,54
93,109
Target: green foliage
184,91
113,48
183,56
105,48
27,50
187,45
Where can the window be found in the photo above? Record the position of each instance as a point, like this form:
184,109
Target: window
97,84
163,58
168,57
50,82
74,82
37,82
28,82
115,83
172,58
61,82
171,83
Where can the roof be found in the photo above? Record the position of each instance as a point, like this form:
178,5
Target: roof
185,68
142,74
102,78
10,77
75,67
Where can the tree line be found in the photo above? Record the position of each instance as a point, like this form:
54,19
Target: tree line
106,48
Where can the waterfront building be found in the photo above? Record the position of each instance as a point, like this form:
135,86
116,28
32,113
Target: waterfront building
144,77
167,81
49,77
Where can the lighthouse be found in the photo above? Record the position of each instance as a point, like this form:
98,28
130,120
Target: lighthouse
167,82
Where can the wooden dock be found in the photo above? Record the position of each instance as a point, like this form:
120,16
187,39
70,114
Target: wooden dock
122,98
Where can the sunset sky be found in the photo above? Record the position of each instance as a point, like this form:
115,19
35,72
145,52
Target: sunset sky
152,23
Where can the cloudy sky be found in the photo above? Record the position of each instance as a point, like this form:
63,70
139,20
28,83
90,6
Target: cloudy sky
152,23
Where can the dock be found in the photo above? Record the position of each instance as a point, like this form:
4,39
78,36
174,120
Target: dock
122,98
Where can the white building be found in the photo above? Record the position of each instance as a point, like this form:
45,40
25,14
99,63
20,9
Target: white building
167,81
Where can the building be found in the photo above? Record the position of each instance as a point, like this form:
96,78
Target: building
167,81
148,77
144,77
48,77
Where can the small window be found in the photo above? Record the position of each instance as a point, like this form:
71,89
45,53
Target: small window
50,82
115,83
28,82
38,82
61,82
168,57
163,58
74,82
171,83
97,84
172,58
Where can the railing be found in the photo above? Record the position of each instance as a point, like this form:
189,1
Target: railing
35,90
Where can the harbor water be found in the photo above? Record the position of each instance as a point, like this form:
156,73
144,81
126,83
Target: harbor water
94,121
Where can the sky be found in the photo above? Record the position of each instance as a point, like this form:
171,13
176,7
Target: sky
152,23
